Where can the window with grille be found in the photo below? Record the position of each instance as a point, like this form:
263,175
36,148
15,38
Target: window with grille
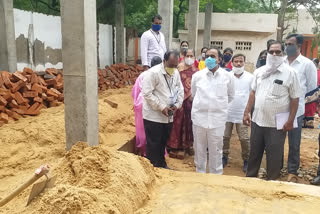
218,44
243,46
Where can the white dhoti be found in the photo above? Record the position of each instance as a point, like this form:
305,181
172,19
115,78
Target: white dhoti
210,140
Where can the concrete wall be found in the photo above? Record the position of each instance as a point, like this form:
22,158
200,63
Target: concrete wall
229,39
255,22
47,41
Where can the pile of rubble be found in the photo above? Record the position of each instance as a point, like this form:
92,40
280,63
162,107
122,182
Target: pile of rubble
27,92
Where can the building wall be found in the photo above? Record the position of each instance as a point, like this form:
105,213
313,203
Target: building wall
229,39
302,22
46,41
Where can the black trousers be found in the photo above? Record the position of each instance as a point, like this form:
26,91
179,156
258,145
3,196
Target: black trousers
157,135
270,140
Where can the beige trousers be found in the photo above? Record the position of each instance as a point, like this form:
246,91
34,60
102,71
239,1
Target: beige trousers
242,131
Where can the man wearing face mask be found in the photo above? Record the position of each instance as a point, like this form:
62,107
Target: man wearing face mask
152,43
163,94
275,89
242,80
211,89
307,75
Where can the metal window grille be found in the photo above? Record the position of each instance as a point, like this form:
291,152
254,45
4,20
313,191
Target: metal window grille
243,46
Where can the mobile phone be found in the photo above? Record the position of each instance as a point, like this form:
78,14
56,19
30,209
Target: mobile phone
278,82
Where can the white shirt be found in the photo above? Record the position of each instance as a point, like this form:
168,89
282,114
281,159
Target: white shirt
242,90
307,75
157,88
272,98
211,94
152,44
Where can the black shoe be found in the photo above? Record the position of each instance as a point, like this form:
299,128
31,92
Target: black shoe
316,180
224,161
245,166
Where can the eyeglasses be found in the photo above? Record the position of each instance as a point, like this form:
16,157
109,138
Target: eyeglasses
278,52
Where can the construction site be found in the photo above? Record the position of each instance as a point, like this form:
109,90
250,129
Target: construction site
77,124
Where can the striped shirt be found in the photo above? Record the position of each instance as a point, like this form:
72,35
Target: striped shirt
273,94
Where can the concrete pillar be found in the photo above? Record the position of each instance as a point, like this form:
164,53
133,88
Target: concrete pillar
193,24
79,56
165,9
120,32
8,53
207,25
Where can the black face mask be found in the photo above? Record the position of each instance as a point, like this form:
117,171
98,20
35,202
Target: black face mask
263,62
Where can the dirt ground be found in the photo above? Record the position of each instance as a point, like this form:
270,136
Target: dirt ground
103,180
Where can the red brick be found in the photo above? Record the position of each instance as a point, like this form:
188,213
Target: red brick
33,109
30,94
37,99
24,107
3,101
15,116
19,98
1,123
6,79
36,87
34,78
42,81
52,71
13,104
55,91
18,76
44,96
52,93
50,98
4,117
4,92
18,111
1,81
51,82
16,86
27,71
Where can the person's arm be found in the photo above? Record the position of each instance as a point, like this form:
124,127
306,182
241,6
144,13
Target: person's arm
180,95
193,87
247,111
148,86
311,77
144,51
294,93
293,110
231,89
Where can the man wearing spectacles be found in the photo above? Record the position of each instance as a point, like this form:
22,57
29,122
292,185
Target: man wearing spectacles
275,89
307,75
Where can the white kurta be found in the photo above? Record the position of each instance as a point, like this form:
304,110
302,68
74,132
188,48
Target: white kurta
242,87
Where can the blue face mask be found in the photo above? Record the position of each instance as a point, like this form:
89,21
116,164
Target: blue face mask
227,58
156,27
210,63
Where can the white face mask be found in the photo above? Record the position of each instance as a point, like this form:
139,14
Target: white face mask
189,61
203,55
273,62
237,70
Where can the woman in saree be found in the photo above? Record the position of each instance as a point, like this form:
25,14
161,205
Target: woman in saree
181,137
137,106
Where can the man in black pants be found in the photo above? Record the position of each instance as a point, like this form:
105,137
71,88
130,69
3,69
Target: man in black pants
163,94
316,180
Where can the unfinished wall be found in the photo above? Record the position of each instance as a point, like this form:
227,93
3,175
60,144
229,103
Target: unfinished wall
46,40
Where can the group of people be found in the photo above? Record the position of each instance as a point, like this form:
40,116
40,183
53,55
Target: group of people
182,103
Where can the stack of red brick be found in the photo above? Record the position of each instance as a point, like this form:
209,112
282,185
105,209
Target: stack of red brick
118,76
27,92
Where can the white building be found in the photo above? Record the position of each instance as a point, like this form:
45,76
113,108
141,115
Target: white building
245,33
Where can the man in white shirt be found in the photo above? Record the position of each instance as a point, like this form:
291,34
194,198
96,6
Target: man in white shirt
242,82
307,75
212,89
275,89
152,43
163,94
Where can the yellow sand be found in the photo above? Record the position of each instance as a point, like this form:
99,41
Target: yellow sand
102,180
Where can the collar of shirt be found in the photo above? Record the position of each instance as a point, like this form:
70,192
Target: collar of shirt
298,59
215,73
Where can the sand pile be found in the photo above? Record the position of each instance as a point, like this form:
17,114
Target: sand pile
96,180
